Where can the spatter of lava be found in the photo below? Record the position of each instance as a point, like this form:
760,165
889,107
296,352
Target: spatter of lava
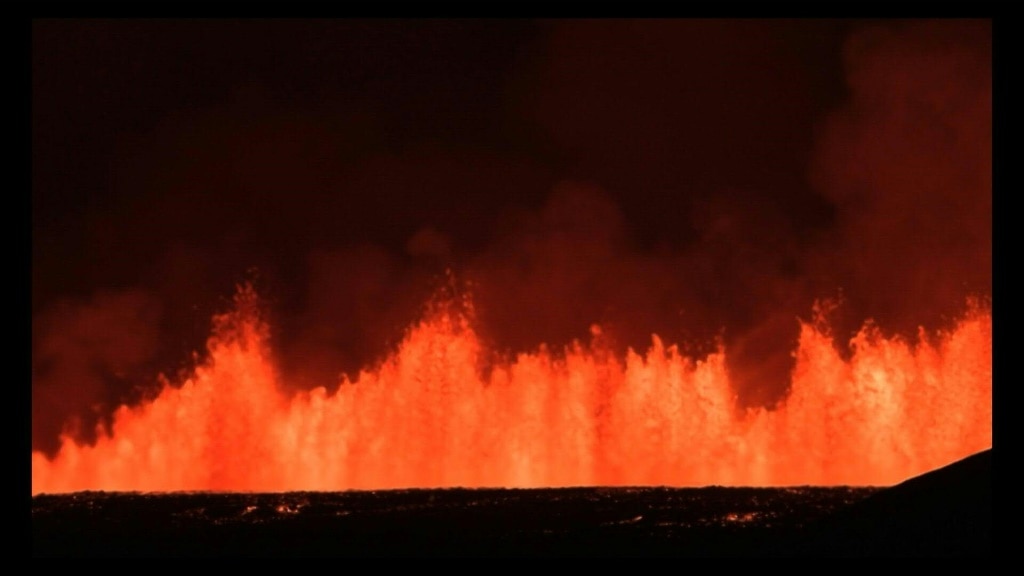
429,416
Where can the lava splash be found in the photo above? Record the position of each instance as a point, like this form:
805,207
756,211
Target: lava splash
440,412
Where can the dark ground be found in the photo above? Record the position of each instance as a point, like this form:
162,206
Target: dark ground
944,513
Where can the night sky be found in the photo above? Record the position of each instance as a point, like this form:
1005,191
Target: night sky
705,180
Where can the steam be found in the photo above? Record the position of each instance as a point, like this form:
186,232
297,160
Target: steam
907,162
86,356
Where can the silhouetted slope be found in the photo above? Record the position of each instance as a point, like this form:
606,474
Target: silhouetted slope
946,512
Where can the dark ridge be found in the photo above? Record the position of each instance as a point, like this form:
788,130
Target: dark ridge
946,512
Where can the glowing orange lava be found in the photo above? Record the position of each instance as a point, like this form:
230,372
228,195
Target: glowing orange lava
428,416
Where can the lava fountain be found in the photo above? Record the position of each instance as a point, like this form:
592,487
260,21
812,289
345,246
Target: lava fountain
440,412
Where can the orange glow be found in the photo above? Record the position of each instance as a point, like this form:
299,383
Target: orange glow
430,416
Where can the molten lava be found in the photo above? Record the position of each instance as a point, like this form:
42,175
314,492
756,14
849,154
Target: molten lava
429,415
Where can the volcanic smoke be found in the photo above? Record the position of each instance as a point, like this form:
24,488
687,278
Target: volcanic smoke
440,412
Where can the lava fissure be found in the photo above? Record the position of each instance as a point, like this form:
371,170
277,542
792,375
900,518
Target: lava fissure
428,416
